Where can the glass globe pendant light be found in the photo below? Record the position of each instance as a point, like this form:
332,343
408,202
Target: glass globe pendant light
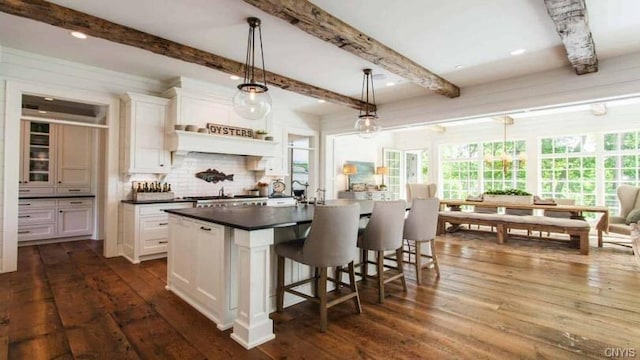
367,125
252,100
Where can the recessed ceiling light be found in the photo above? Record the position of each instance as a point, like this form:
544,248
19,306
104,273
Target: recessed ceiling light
48,99
390,83
234,77
42,112
322,101
78,35
518,52
459,66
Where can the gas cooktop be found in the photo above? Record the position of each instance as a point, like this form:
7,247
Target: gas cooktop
215,197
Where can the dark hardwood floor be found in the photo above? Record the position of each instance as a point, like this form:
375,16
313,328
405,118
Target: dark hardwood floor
525,299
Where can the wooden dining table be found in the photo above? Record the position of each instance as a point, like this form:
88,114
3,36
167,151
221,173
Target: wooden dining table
577,211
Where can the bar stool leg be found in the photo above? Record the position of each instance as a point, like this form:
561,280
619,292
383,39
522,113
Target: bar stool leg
434,257
322,284
418,262
280,289
354,287
380,263
364,265
399,262
337,277
316,276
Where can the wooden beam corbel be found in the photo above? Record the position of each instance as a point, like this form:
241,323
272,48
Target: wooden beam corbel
319,23
571,20
56,15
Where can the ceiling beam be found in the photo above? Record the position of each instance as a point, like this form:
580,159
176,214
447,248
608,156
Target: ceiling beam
63,17
319,23
572,24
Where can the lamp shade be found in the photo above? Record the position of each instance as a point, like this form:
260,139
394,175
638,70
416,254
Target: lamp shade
382,170
349,169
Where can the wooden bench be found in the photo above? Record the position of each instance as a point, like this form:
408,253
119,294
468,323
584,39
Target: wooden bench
577,229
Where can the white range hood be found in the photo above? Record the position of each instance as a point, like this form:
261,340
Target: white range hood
182,142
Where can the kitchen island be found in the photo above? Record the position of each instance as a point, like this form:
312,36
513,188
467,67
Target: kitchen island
219,261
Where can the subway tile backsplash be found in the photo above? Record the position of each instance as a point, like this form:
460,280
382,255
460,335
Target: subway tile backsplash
184,182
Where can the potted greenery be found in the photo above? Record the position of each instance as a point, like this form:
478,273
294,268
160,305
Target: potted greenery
261,134
508,196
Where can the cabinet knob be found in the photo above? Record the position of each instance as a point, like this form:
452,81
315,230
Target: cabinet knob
61,211
59,182
161,164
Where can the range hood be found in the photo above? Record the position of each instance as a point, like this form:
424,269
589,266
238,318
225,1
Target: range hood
180,143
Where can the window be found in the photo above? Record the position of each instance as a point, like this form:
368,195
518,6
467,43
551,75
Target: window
392,160
465,172
621,164
568,168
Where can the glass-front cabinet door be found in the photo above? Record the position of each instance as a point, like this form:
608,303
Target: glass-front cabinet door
37,157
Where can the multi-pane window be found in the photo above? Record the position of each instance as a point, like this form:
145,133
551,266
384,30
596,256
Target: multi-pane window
424,164
621,164
392,160
568,168
465,172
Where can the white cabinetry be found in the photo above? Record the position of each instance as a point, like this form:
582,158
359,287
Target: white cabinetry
75,217
54,218
146,230
74,159
199,268
55,159
143,134
365,195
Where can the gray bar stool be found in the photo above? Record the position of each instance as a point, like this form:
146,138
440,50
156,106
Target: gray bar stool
384,233
331,243
420,226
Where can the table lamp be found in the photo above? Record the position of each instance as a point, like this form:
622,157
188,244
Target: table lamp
348,170
382,170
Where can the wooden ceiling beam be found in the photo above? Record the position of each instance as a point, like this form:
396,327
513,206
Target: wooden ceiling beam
63,17
319,23
572,24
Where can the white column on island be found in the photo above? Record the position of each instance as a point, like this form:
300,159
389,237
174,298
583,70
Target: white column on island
253,326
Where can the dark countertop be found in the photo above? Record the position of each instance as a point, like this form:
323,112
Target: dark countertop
54,197
262,217
143,202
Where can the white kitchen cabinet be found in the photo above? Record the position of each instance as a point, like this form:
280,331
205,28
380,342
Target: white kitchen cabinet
146,230
199,270
74,158
40,219
365,195
37,158
143,138
55,159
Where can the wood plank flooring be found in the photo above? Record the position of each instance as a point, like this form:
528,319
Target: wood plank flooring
525,299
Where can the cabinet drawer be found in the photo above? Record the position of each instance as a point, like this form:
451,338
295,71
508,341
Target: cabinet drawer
156,227
154,246
73,190
36,232
42,216
26,204
75,202
155,210
35,191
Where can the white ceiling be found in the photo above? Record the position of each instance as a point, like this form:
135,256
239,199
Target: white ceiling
439,35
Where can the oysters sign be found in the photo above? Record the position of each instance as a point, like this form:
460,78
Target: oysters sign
220,129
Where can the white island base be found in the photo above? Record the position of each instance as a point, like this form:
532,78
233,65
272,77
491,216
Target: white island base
226,274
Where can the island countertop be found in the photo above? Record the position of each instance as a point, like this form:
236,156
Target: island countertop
251,218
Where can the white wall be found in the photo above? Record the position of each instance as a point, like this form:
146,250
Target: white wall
353,148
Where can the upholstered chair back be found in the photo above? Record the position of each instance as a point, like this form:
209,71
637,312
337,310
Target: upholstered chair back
421,223
333,236
629,199
384,230
421,191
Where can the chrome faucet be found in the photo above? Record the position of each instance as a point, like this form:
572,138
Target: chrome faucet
221,191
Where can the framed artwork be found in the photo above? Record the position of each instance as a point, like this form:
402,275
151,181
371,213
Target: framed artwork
366,172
